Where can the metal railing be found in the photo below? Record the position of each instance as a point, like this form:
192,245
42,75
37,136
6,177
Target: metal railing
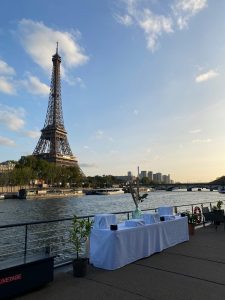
53,236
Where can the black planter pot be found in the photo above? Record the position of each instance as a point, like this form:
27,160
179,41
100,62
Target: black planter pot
80,267
218,216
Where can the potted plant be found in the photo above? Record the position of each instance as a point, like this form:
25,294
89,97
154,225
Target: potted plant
137,198
192,220
218,213
219,204
80,232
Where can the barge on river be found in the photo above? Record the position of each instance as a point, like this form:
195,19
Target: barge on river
105,191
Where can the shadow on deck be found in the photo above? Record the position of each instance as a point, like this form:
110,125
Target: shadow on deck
191,270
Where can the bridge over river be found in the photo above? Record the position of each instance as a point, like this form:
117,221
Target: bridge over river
188,186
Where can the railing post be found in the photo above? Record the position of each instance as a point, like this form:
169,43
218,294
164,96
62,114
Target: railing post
48,250
203,218
25,242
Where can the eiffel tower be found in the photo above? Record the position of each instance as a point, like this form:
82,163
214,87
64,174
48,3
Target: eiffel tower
53,144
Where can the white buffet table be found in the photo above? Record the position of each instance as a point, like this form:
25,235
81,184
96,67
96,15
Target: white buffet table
114,249
103,221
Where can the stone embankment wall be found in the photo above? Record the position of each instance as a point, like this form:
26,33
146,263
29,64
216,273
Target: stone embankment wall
11,189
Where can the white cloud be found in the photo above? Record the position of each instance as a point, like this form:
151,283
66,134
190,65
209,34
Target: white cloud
32,134
75,81
199,141
113,152
87,165
154,26
206,76
185,9
6,142
156,157
124,20
100,135
194,131
135,112
141,13
39,42
5,69
35,86
12,118
192,6
7,86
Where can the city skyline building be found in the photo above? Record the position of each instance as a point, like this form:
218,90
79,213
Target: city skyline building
129,174
150,175
7,166
155,177
143,174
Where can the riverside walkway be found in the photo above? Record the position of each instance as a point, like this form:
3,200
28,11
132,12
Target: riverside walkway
191,270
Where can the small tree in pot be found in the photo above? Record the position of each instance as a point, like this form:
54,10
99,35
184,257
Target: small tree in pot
192,220
218,213
80,232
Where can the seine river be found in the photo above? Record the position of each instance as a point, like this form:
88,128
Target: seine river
17,211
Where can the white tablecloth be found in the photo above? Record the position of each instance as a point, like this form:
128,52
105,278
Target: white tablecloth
113,249
165,210
134,223
103,221
151,218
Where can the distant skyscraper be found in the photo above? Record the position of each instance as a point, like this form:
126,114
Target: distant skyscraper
150,175
165,179
158,177
143,174
168,176
129,174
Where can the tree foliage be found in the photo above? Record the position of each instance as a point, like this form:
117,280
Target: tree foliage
219,181
80,231
30,168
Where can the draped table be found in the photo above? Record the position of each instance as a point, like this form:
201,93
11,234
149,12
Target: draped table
103,221
111,250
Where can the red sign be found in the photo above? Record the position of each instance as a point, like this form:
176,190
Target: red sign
9,279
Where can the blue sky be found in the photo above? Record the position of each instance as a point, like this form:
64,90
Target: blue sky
143,83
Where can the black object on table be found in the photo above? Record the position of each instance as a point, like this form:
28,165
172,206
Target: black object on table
113,227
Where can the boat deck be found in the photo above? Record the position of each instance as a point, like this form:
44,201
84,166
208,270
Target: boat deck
191,270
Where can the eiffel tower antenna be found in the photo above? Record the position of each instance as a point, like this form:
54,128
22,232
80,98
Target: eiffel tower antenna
53,144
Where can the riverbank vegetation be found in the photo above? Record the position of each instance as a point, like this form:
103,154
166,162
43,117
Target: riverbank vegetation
219,181
31,171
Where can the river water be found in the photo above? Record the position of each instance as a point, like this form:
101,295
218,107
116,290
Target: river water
16,211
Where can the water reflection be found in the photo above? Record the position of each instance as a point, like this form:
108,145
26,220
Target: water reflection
56,235
17,211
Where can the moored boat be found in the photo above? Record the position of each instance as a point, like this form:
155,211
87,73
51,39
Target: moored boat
105,191
109,191
221,190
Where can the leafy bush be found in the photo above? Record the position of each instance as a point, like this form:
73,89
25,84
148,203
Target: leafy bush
80,231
